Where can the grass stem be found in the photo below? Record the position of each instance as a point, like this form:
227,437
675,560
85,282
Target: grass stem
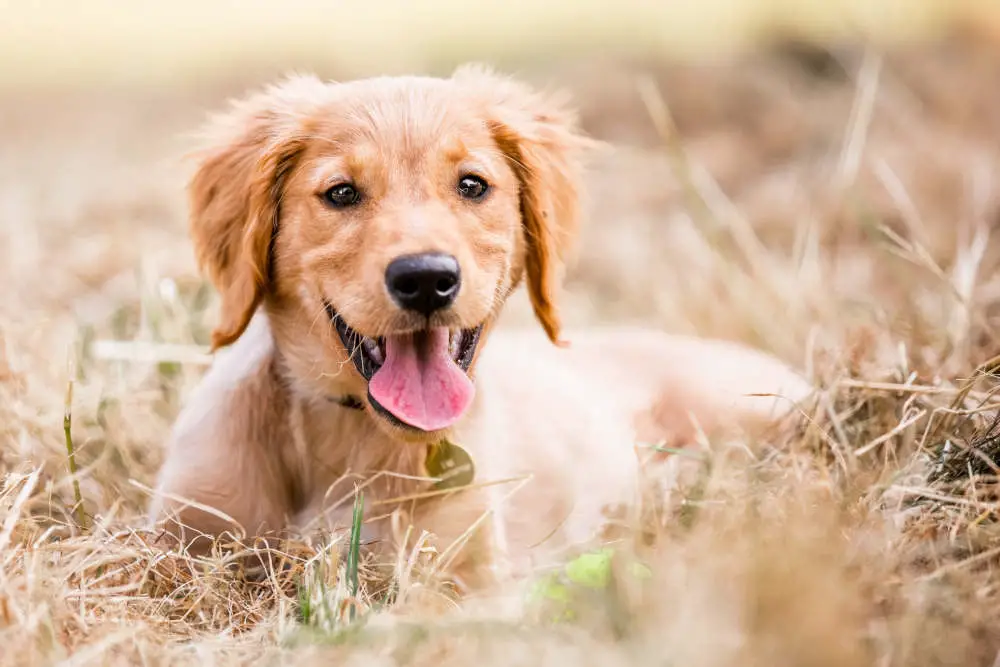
354,552
81,516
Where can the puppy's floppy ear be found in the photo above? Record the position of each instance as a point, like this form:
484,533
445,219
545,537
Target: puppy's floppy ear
538,133
235,195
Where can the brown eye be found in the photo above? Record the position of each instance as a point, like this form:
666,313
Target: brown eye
472,187
342,195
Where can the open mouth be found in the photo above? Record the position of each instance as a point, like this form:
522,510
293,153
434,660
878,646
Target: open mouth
417,379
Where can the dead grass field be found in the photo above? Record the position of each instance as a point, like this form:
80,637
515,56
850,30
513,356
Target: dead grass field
837,207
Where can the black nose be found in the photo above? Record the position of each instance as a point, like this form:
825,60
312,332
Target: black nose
423,283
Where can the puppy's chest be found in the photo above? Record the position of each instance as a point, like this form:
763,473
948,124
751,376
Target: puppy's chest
334,454
528,487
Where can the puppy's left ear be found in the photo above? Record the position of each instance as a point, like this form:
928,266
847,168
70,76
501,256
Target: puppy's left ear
539,135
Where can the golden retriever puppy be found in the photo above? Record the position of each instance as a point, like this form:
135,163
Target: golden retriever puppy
364,237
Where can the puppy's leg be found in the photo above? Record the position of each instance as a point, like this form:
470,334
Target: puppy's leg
461,529
212,487
719,388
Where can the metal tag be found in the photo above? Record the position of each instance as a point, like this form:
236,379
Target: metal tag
451,465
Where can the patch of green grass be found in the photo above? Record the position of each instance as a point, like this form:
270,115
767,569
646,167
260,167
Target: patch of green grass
329,596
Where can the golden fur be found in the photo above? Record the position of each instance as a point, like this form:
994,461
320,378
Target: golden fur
262,442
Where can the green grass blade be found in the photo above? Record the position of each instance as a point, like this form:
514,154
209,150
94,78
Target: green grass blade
354,551
81,517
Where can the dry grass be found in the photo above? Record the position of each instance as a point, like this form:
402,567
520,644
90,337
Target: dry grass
837,209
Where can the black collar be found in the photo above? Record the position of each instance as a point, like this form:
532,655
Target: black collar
350,402
442,457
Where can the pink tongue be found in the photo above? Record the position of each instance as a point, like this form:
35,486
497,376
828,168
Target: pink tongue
419,382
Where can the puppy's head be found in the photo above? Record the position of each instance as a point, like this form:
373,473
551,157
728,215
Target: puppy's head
382,223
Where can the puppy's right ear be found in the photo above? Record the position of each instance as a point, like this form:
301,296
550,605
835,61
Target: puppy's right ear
539,134
235,194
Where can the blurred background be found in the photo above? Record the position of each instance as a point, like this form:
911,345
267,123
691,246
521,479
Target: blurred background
72,44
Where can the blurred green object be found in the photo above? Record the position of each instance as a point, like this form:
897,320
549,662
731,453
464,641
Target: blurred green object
592,570
565,591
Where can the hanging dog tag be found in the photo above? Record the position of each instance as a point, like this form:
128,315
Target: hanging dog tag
451,465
